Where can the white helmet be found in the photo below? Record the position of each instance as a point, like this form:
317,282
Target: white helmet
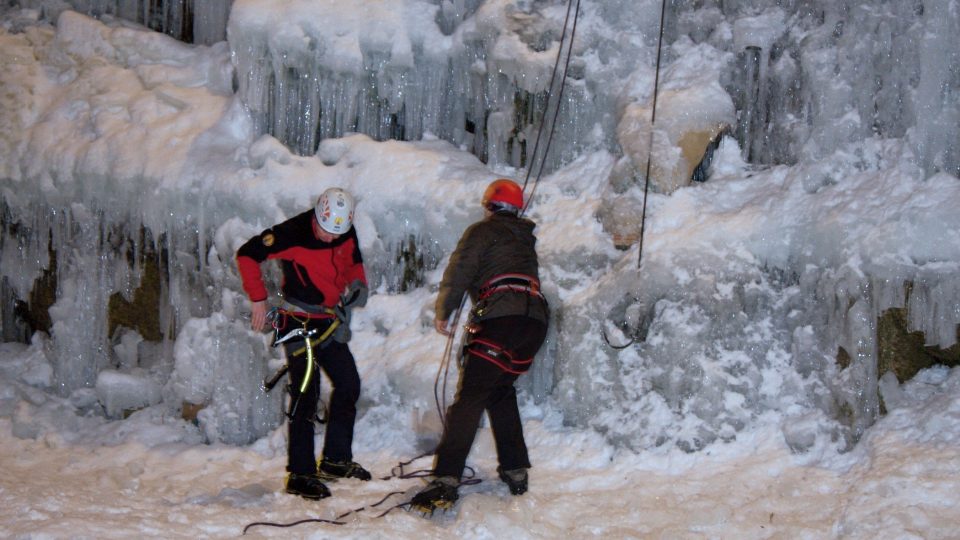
334,211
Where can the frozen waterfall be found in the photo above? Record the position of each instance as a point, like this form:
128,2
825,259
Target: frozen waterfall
135,164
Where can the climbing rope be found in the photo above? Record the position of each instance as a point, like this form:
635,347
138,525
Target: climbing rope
653,123
556,110
469,479
440,394
646,179
603,332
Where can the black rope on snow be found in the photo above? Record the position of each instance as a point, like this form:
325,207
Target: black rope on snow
292,524
556,110
397,470
603,332
653,123
335,521
469,480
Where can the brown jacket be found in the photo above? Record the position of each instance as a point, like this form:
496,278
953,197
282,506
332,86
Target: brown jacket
499,244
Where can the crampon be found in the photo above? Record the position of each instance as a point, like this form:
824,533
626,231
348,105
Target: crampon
440,494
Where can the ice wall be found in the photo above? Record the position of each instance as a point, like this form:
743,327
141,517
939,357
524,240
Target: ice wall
193,21
471,73
98,181
722,339
718,329
810,76
820,75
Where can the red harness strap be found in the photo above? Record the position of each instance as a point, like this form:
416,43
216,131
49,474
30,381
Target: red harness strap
501,357
510,282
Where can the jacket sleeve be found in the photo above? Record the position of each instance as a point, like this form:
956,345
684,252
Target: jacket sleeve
356,273
249,256
353,278
460,273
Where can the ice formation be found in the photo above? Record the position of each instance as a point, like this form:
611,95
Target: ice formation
144,150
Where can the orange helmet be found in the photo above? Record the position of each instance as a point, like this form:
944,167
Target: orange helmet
504,192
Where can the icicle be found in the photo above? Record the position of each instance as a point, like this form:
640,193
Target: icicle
747,127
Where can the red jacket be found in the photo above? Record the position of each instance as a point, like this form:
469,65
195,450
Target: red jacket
314,272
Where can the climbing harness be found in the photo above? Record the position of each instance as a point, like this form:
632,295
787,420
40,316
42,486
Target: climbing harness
495,353
510,282
518,283
556,111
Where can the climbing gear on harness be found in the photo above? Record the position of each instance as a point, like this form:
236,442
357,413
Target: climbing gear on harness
493,352
319,341
307,486
516,480
441,493
305,334
503,192
334,211
278,317
271,381
331,471
296,333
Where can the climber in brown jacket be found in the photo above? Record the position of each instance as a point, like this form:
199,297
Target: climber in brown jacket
495,262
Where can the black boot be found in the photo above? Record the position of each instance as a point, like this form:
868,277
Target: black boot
331,471
516,480
307,486
440,493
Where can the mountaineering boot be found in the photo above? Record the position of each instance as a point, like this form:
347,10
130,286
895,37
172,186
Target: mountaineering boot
307,486
440,493
331,471
516,480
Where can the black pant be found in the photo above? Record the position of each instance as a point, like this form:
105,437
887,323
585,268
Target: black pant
337,362
485,387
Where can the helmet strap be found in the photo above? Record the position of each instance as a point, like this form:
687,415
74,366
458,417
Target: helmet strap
500,207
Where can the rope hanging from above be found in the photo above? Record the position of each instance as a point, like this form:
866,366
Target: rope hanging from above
556,108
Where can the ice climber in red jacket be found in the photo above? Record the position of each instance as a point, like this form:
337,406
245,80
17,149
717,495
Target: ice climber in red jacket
322,280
